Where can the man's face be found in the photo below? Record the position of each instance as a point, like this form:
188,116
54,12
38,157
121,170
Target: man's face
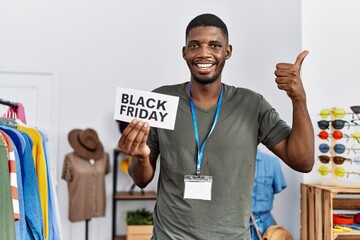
205,53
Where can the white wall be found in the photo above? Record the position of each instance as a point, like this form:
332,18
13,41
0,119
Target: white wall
94,46
331,30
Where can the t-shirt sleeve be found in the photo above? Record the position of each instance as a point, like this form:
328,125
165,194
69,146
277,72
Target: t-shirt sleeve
153,143
272,129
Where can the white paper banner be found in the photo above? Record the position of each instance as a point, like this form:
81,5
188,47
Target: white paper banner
159,110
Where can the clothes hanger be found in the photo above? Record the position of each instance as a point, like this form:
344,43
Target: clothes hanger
9,122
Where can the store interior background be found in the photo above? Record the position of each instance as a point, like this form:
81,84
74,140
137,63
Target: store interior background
64,59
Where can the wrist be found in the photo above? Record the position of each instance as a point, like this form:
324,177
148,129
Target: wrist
143,160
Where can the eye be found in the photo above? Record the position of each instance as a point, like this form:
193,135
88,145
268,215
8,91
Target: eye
193,45
216,46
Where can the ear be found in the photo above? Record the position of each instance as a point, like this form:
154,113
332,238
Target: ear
228,51
184,52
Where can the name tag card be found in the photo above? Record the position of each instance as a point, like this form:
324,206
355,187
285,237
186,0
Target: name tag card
197,187
159,110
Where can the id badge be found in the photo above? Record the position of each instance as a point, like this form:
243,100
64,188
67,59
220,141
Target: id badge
197,187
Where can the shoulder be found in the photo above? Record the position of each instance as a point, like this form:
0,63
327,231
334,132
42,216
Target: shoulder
243,98
175,90
239,92
71,156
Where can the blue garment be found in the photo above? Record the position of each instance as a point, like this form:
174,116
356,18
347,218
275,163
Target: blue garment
53,226
269,180
31,193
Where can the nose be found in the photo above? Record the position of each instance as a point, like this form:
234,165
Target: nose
204,51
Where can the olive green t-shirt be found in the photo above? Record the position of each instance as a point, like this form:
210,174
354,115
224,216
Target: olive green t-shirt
246,119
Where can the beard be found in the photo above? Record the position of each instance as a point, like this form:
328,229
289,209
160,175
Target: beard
206,79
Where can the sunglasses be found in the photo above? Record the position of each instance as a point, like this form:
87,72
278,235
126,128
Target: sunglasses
338,148
356,111
356,136
335,134
337,124
338,171
338,160
336,112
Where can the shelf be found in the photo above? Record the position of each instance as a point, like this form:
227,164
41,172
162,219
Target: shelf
347,236
317,205
124,195
120,238
135,196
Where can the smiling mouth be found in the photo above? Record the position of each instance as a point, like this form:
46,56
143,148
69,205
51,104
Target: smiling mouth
204,65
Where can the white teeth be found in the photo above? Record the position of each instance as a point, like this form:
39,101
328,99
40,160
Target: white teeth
203,65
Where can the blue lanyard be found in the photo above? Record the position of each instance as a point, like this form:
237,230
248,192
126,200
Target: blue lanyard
193,113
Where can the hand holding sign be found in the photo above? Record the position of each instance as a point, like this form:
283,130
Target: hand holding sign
142,109
133,139
288,78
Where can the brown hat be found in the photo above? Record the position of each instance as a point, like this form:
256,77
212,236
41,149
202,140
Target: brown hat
86,143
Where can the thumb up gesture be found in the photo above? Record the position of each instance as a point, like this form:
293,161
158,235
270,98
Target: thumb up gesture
288,78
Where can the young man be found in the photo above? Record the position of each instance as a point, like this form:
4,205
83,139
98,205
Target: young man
217,131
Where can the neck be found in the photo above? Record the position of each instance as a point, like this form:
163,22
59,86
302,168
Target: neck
204,95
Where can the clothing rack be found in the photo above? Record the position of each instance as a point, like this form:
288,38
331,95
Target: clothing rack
8,103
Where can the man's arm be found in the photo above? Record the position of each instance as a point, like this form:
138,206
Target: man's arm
297,151
133,142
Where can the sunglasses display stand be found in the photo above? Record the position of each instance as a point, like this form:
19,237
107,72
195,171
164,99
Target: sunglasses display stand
336,126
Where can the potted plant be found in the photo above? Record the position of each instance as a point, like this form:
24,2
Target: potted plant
139,225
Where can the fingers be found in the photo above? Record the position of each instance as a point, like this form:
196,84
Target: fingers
141,128
286,71
288,78
125,133
285,84
134,137
143,143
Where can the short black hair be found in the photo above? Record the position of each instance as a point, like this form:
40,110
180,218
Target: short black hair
207,20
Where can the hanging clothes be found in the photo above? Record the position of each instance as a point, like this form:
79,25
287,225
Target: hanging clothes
41,173
269,180
13,176
35,206
54,232
31,197
20,224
